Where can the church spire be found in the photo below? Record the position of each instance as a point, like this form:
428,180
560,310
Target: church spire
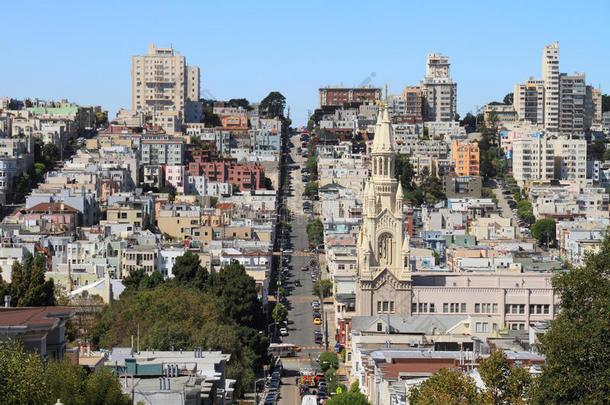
383,141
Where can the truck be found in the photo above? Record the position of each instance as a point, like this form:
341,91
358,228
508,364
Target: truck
309,400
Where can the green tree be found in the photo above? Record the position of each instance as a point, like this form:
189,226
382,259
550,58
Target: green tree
240,102
311,189
189,271
328,360
576,344
596,149
210,119
326,286
505,384
101,119
403,171
469,121
447,388
28,287
349,398
22,377
279,313
311,165
103,388
315,232
525,211
66,381
50,154
273,105
231,282
544,231
605,102
508,99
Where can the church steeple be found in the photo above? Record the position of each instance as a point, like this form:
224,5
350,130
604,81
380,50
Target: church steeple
383,249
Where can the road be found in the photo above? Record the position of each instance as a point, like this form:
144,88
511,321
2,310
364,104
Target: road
301,327
505,210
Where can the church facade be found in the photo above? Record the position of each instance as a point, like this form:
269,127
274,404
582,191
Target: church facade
383,283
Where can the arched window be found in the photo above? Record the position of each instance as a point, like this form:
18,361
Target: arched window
384,249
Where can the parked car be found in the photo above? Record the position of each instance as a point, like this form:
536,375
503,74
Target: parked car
316,321
297,283
283,331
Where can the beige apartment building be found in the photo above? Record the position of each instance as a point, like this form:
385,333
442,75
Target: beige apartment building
139,257
440,92
533,159
127,212
181,224
161,80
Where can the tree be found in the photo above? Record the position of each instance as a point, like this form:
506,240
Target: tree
315,232
506,384
50,154
240,102
268,183
231,282
279,313
508,99
325,285
525,211
605,102
189,271
349,398
311,165
469,121
21,376
210,119
311,189
273,105
596,149
328,360
101,119
576,344
28,287
448,388
544,231
403,171
66,381
103,388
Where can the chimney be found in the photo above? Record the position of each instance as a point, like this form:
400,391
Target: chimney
7,301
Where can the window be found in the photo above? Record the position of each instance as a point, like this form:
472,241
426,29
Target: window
413,307
445,307
391,306
378,306
385,306
463,307
477,308
379,327
432,307
495,308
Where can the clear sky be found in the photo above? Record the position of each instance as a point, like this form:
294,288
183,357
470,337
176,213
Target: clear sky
80,51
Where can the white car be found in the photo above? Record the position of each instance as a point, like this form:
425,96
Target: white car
283,331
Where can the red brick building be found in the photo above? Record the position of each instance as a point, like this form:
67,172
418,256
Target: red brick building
247,177
341,95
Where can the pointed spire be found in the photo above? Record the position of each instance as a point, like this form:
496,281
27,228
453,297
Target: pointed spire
383,141
399,193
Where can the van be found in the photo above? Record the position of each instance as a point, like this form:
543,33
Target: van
309,400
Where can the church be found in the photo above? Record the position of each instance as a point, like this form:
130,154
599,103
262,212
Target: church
383,282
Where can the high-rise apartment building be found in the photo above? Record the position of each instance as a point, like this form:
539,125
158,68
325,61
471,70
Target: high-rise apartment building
439,91
570,157
550,76
533,159
561,104
161,80
414,99
528,101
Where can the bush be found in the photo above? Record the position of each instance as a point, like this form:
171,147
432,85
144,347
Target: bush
328,360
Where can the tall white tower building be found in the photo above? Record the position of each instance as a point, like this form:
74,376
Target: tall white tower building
550,76
383,283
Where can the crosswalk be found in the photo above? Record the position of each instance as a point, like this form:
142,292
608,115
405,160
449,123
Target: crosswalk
295,253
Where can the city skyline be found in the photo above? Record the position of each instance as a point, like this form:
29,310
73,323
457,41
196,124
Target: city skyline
93,65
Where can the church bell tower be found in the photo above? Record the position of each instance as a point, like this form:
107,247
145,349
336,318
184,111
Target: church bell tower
383,283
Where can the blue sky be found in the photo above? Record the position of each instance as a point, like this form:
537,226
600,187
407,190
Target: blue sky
74,50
